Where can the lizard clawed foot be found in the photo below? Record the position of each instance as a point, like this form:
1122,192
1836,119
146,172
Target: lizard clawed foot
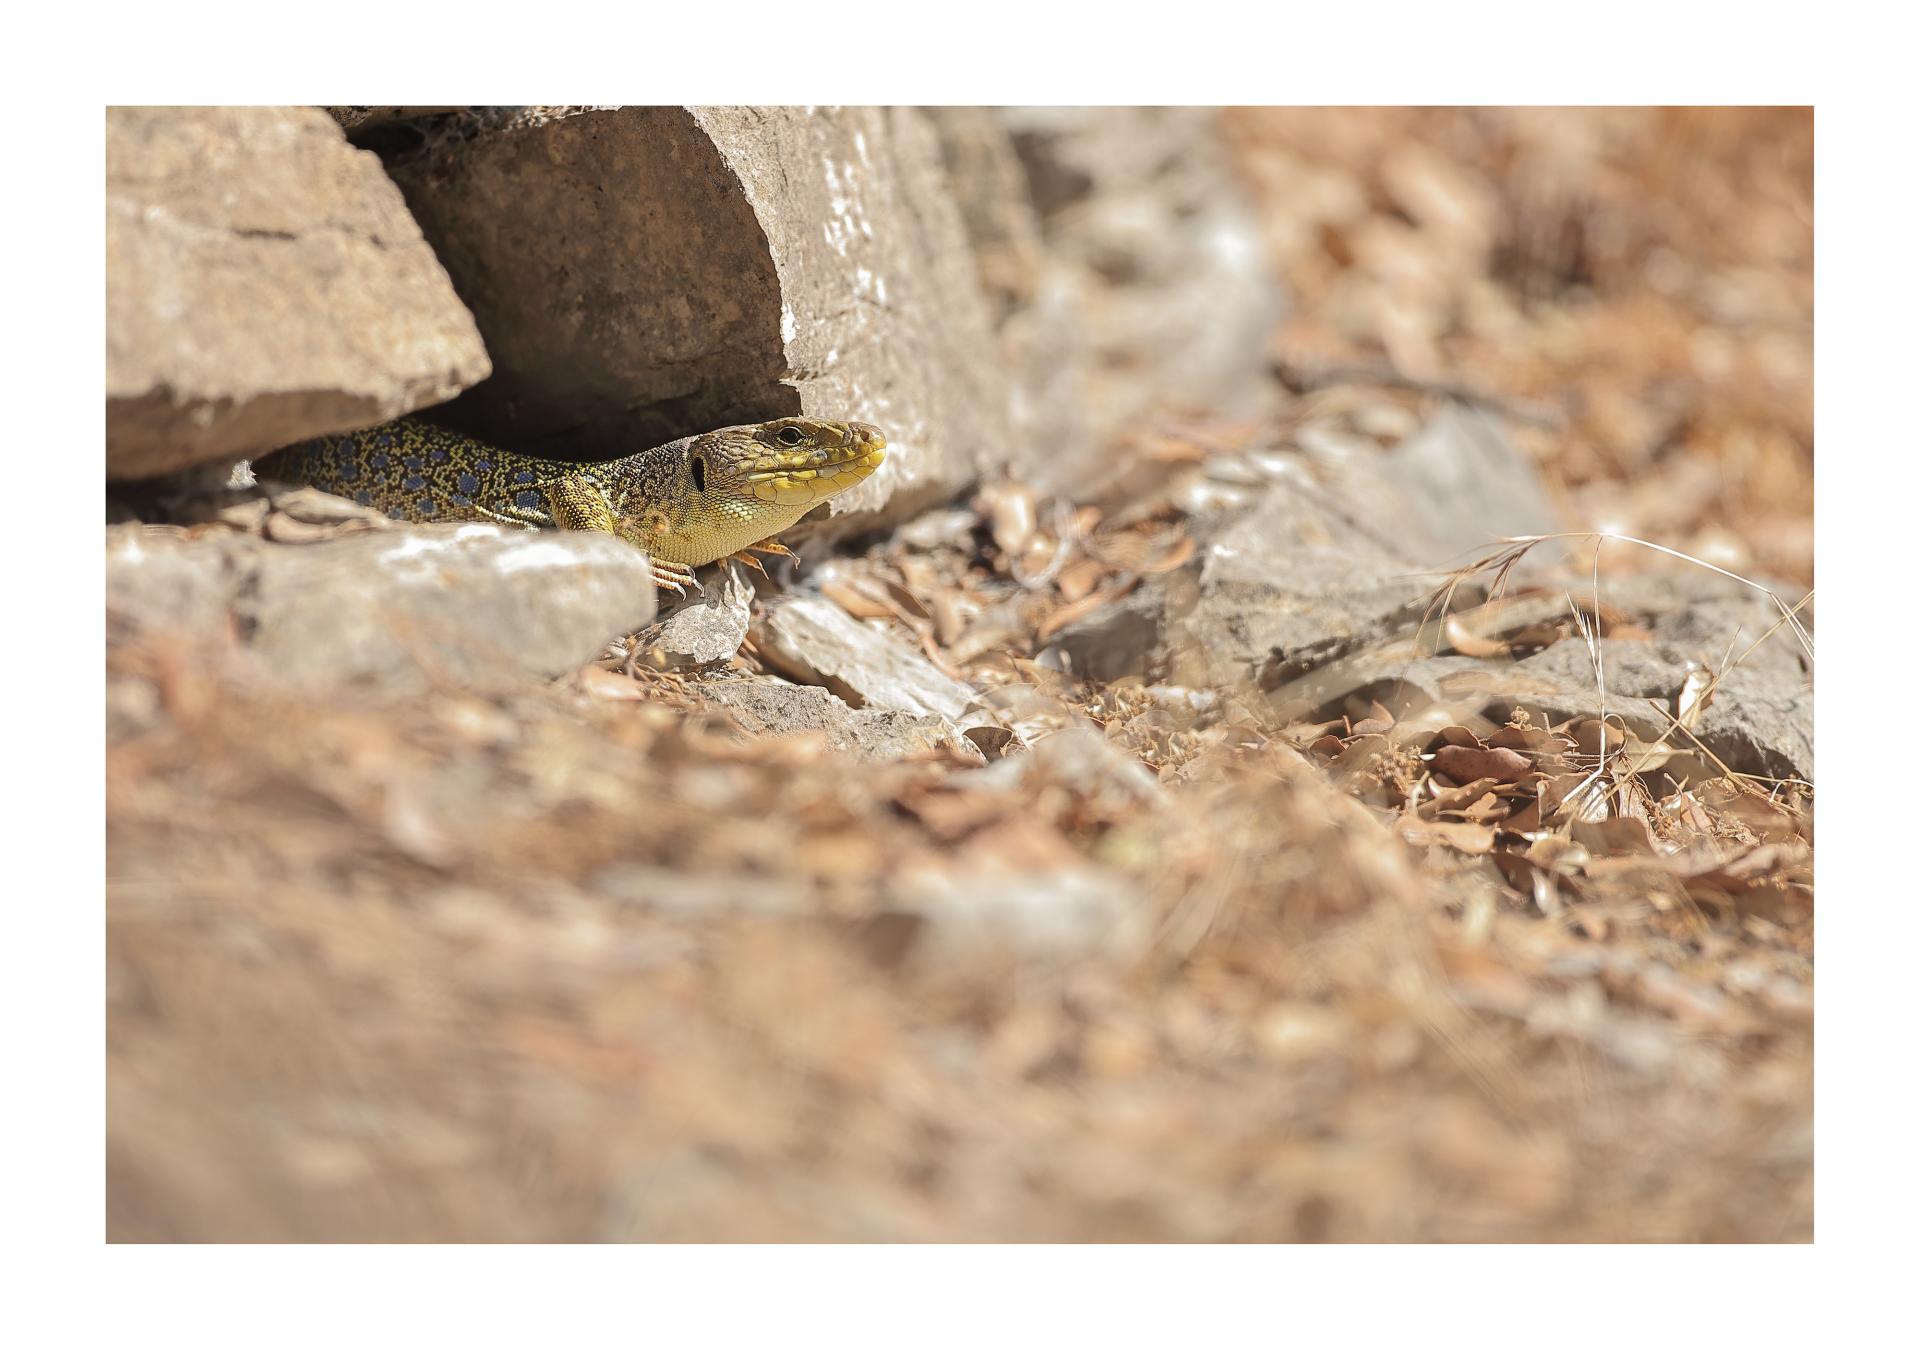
767,546
675,577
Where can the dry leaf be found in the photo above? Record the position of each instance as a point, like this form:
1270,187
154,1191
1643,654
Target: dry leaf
854,599
1696,692
1621,834
1464,763
1078,578
1468,643
1462,835
1453,798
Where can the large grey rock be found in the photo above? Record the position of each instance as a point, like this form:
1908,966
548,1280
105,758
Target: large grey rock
407,609
1318,556
1470,486
1160,250
644,273
1277,587
1290,584
1760,719
1316,589
264,284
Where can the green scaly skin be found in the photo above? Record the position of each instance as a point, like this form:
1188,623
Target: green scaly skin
689,502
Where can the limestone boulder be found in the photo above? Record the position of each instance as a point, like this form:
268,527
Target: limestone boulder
1312,586
1307,558
264,284
644,273
474,606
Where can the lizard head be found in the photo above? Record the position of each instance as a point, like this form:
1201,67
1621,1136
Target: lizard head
714,494
793,461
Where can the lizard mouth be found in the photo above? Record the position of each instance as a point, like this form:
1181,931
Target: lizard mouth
814,475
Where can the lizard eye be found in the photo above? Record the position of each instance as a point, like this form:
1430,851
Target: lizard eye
790,436
699,469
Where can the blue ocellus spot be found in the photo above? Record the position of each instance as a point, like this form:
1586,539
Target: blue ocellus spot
468,483
459,500
349,472
529,500
364,497
396,513
379,461
413,482
412,462
439,456
426,505
524,476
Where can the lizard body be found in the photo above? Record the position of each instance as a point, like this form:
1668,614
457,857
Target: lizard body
689,502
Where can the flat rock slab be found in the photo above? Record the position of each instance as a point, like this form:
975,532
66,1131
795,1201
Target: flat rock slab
1760,720
475,606
810,639
265,284
1315,589
646,273
1277,587
1324,554
776,708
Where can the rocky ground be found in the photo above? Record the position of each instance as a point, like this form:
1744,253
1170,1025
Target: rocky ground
1163,812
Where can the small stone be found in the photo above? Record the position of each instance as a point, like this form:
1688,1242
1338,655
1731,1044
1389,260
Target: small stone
705,628
810,639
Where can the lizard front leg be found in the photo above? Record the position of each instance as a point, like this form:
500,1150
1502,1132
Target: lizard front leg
579,503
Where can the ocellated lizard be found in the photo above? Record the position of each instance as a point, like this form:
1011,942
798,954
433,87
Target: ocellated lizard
689,502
